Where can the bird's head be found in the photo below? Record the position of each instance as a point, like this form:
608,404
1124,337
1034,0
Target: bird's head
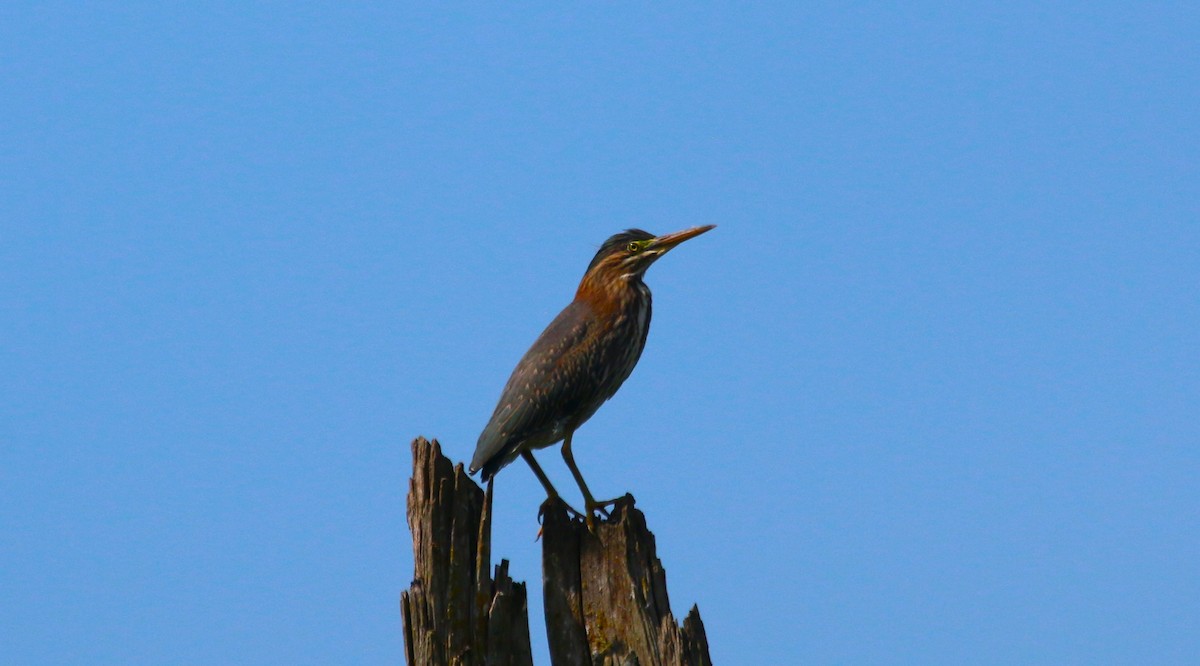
628,254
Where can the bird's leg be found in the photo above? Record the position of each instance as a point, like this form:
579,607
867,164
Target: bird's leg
590,505
537,471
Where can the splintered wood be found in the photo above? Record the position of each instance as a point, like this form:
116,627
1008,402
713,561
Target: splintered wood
454,612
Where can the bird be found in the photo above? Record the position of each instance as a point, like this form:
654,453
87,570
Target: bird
578,362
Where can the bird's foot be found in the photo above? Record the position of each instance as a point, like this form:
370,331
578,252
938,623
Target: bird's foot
598,505
572,511
594,508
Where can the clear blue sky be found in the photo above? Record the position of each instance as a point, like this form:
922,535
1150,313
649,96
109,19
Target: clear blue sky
928,394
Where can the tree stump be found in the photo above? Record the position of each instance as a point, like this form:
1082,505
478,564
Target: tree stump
605,593
455,613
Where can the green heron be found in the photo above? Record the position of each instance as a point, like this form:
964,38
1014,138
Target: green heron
578,362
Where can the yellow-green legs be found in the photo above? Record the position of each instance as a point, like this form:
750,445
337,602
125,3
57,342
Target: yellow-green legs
590,505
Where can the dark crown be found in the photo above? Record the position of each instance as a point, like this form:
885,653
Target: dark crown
617,243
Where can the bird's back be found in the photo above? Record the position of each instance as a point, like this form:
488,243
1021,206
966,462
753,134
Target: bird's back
576,364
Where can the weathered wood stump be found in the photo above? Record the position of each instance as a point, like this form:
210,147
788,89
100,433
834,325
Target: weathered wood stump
605,593
454,612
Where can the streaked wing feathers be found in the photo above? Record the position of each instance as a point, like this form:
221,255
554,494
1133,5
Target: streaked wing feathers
545,388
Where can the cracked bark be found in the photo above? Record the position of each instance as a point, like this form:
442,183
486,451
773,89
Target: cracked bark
454,612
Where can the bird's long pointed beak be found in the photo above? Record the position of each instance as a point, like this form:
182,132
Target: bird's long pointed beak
668,241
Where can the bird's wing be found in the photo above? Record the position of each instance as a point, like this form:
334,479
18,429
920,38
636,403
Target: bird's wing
547,386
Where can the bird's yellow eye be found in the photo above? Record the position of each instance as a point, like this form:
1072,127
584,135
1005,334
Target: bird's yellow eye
634,247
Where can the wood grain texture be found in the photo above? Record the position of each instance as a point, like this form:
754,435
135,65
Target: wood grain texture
606,594
454,612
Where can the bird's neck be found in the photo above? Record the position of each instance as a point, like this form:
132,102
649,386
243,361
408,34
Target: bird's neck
606,293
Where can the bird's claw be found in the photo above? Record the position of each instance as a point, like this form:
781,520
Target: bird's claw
573,512
595,511
592,511
597,508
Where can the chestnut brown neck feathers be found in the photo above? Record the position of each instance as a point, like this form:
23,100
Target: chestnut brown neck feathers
613,280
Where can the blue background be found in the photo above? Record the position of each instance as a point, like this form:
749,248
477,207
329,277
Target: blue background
928,394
